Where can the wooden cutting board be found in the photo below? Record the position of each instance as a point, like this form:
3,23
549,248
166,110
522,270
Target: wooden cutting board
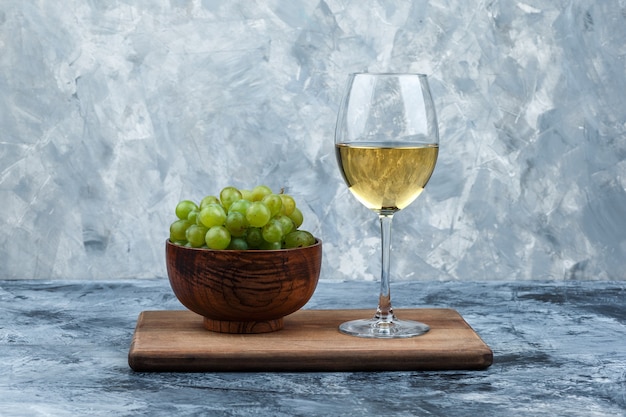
310,341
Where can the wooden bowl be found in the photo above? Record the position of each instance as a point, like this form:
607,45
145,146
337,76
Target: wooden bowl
243,291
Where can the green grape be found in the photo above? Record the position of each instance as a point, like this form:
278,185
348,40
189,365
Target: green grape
209,199
297,217
273,202
258,214
254,237
228,196
238,243
178,230
236,223
217,237
288,204
241,219
212,215
184,207
246,194
272,231
298,239
196,235
286,224
270,246
193,216
240,205
259,192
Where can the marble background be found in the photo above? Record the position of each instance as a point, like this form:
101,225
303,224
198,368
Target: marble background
112,111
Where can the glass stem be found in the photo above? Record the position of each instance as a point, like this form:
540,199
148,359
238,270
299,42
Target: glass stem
384,314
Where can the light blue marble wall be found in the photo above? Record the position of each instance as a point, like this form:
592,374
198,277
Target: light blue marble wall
112,111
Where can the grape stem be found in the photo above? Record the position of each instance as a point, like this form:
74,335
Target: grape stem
384,313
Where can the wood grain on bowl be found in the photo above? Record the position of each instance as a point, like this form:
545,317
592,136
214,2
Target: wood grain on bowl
243,291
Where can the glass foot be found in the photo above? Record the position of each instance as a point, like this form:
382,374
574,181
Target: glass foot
376,328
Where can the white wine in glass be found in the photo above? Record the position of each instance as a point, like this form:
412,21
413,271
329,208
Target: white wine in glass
386,143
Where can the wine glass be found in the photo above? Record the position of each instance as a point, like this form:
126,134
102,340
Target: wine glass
386,144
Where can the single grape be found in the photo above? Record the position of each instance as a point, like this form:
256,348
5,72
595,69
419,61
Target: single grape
217,237
184,207
238,243
297,217
196,235
286,224
259,192
272,231
246,194
258,214
212,215
288,204
254,237
273,202
178,230
236,223
193,216
209,199
298,239
240,205
228,196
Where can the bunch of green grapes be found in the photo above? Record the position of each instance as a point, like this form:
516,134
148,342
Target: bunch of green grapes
241,219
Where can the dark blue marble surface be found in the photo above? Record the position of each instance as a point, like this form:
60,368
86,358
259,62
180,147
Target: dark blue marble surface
559,350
